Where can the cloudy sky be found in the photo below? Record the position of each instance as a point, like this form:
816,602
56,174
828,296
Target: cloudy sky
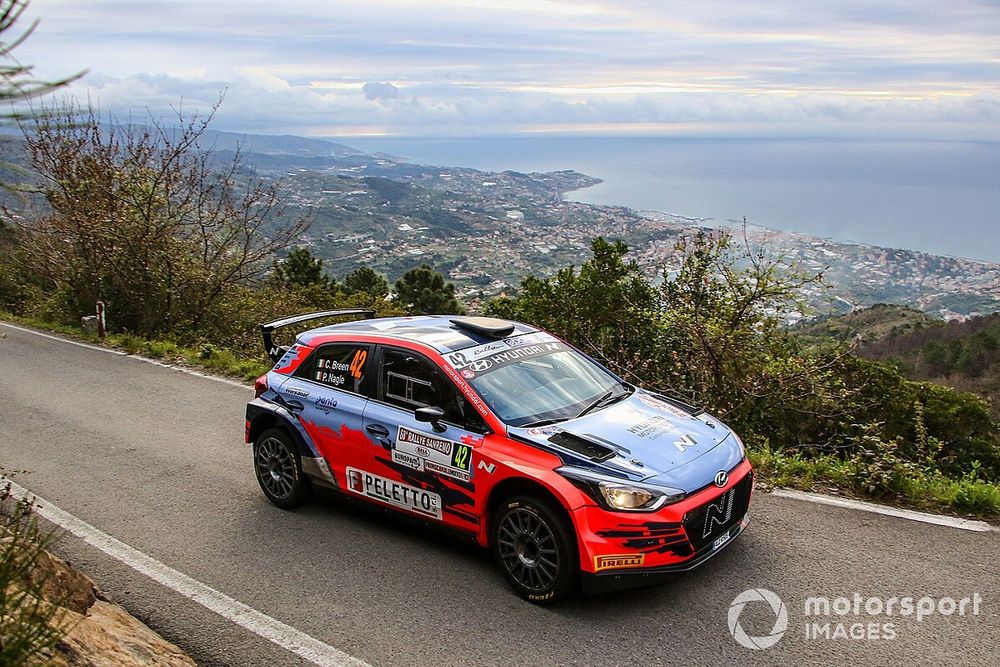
921,68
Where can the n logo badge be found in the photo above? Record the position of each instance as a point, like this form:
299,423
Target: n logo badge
719,512
684,443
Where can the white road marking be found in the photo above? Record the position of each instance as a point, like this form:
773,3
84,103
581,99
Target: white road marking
912,515
63,340
262,625
147,360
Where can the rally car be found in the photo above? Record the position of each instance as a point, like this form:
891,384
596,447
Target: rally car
506,434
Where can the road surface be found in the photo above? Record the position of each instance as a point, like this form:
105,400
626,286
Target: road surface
154,457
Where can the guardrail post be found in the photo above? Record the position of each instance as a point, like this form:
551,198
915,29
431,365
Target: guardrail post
101,331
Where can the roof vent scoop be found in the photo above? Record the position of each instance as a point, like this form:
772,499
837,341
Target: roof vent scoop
490,327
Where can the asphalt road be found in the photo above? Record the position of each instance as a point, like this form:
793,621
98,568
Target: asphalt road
155,458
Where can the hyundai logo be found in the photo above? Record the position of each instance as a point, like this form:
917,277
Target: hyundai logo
721,478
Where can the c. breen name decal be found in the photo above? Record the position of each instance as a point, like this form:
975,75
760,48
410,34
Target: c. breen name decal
394,493
421,451
618,561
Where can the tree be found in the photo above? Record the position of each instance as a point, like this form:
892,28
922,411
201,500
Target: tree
364,280
146,220
607,306
301,269
423,291
17,82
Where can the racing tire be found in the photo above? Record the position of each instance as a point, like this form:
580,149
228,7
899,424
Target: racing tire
278,468
535,549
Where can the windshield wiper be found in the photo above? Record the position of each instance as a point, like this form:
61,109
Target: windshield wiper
596,404
606,398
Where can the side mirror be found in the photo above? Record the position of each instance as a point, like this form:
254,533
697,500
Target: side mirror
432,416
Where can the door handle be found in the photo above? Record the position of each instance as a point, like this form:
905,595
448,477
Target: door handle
294,406
377,430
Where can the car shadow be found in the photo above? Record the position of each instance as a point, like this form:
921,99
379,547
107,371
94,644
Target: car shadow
439,553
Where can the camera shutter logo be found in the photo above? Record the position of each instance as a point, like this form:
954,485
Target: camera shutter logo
780,621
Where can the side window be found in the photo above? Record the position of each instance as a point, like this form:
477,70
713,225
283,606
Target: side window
410,381
339,366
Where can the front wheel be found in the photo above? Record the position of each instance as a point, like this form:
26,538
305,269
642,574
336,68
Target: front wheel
534,547
279,469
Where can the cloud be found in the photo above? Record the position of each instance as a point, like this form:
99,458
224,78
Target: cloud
374,91
490,66
270,105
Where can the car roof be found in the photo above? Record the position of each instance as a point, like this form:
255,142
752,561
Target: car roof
436,331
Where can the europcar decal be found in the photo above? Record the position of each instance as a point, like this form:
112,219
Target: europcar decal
421,451
618,561
394,493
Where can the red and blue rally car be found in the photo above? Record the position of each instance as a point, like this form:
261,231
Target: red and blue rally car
509,436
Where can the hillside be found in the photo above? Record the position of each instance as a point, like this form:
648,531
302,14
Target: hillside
868,324
964,355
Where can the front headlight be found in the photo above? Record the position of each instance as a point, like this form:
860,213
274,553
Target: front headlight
620,495
626,497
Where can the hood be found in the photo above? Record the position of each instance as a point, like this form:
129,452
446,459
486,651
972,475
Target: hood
644,437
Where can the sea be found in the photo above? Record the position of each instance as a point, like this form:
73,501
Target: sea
941,197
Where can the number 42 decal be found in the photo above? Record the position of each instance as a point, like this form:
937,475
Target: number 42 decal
358,363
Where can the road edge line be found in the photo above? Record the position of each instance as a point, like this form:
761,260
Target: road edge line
137,357
875,508
257,622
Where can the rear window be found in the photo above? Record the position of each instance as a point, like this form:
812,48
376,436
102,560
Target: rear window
341,366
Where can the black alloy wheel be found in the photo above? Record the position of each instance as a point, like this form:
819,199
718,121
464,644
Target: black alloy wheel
279,469
534,548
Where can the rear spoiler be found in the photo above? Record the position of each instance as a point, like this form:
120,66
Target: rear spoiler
267,330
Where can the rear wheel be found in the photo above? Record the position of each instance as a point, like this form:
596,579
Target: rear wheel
534,547
278,467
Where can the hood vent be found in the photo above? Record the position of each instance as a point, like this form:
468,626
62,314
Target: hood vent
582,446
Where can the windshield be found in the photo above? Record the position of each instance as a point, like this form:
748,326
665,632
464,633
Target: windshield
544,382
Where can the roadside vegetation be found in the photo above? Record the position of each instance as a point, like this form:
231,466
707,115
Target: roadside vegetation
30,614
189,252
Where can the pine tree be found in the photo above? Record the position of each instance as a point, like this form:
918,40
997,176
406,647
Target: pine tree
366,281
423,291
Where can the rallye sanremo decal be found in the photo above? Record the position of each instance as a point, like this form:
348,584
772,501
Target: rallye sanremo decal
421,451
394,493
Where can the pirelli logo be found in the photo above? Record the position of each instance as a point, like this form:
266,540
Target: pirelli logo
623,560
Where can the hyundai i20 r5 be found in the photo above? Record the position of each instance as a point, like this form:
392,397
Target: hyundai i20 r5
506,434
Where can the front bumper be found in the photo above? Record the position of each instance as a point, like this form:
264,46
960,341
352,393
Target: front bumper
618,580
627,549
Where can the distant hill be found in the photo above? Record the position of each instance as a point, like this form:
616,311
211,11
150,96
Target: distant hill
268,144
964,355
868,324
